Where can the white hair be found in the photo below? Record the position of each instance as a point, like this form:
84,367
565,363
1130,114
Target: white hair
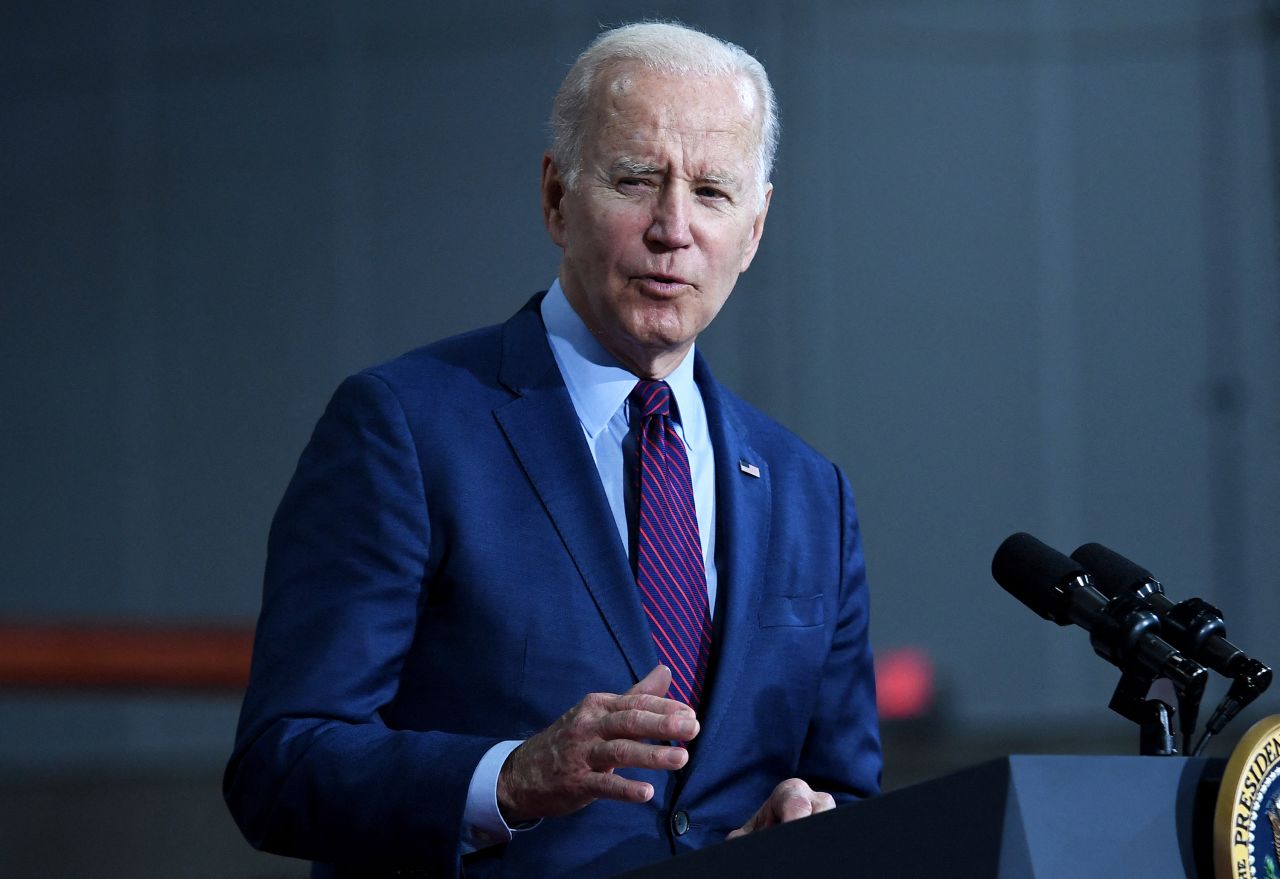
665,47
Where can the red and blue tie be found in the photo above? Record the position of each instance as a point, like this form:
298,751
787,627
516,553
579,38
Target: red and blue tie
668,552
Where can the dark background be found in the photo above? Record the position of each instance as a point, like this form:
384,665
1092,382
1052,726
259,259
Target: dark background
1020,273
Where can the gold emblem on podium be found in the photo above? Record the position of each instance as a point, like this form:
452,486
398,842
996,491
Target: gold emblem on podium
1246,822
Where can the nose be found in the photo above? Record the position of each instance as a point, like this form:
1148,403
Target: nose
669,226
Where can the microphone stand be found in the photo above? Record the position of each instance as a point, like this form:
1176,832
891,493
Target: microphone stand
1124,620
1153,716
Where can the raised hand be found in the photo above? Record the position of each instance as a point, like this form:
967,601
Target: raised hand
571,763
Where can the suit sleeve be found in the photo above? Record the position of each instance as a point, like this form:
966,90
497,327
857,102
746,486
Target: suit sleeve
315,772
841,753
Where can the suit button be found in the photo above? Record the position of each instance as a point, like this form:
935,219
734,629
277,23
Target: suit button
680,823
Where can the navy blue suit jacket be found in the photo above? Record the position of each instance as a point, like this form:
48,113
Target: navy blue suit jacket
444,573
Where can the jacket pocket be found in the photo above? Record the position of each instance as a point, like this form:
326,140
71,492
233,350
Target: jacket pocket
791,610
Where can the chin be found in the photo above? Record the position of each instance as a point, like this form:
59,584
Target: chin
671,318
663,334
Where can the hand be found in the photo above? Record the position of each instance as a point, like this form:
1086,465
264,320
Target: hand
570,763
790,800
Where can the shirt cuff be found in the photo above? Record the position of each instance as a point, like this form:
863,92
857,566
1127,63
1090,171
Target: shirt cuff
482,822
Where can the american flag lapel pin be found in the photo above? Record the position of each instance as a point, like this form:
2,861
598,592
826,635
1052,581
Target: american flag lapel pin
749,469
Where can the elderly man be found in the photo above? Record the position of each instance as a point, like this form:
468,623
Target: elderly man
569,512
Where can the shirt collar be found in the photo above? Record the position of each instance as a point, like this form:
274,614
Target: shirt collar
598,384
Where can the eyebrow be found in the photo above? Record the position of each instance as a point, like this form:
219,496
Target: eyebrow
636,167
647,169
719,180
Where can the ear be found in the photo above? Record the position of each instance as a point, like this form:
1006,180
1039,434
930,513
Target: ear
553,193
757,230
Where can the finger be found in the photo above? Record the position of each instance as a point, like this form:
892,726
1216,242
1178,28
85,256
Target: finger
636,724
655,683
792,787
620,753
792,799
656,705
647,702
791,807
608,786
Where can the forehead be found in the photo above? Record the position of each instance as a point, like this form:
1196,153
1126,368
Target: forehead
636,109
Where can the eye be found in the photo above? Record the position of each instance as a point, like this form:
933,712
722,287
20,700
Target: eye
633,183
711,193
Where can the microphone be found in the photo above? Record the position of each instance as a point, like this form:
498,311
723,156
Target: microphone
1193,626
1123,630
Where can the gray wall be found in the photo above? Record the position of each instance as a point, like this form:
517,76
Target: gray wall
1020,273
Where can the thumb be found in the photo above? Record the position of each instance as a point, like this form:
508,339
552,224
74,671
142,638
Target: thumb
655,683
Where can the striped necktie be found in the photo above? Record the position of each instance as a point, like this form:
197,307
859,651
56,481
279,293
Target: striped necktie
668,551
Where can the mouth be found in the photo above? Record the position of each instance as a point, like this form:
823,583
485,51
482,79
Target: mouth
662,284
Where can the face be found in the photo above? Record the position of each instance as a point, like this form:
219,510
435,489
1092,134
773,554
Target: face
664,215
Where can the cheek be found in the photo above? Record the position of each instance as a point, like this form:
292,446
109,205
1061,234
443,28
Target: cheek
599,242
743,252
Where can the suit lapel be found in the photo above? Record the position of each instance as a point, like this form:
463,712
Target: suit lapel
542,428
743,505
565,479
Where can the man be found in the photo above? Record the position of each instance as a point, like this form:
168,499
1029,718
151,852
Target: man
568,510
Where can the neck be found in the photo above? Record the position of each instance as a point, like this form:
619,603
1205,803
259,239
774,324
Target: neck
655,368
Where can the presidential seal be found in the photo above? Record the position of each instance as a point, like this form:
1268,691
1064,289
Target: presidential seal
1246,822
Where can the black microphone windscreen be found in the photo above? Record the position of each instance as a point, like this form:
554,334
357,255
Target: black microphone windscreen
1031,571
1111,572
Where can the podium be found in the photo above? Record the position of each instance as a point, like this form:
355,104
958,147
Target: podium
1061,817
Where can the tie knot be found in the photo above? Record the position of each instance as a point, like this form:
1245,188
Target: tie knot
651,398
